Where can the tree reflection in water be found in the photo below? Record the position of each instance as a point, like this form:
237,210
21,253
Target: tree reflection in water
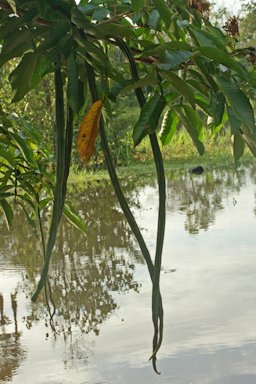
11,351
201,197
85,271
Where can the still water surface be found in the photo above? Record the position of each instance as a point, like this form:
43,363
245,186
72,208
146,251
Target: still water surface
102,289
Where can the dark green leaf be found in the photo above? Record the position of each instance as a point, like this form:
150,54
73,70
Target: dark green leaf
153,19
94,51
28,74
206,39
8,212
159,49
169,125
193,125
15,23
55,33
100,13
75,90
239,102
220,108
81,21
202,65
221,57
146,82
235,123
15,45
115,29
249,139
54,11
24,147
172,59
164,11
181,86
137,5
4,153
149,118
238,146
74,219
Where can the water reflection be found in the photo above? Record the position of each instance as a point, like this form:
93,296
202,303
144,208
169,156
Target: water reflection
87,274
11,350
201,197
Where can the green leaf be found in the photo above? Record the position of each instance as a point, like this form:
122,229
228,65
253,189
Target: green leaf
206,39
159,49
202,65
94,51
74,219
75,90
217,32
181,86
137,5
100,13
55,33
24,147
249,139
221,57
239,102
131,85
15,23
8,212
193,125
15,45
53,11
149,117
216,107
4,153
172,59
153,19
146,82
115,29
164,11
238,146
168,127
80,20
235,123
28,74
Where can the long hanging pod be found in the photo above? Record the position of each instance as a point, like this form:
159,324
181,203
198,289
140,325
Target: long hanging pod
157,311
157,307
63,154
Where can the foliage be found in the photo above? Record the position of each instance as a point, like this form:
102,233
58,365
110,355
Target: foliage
247,24
26,171
37,107
173,58
25,166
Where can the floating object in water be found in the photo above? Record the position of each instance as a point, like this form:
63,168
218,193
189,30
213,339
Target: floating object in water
197,170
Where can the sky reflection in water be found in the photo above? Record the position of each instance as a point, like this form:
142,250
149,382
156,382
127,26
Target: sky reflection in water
102,289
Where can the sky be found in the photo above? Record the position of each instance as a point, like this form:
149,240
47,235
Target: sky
232,5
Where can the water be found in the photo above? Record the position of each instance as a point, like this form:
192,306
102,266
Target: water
102,289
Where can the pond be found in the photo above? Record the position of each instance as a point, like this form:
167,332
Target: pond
102,291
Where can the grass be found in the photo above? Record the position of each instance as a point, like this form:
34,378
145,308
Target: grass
179,155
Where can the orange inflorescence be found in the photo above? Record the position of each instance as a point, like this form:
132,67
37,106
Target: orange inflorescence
202,6
232,26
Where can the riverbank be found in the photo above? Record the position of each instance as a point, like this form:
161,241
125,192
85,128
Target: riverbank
211,159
